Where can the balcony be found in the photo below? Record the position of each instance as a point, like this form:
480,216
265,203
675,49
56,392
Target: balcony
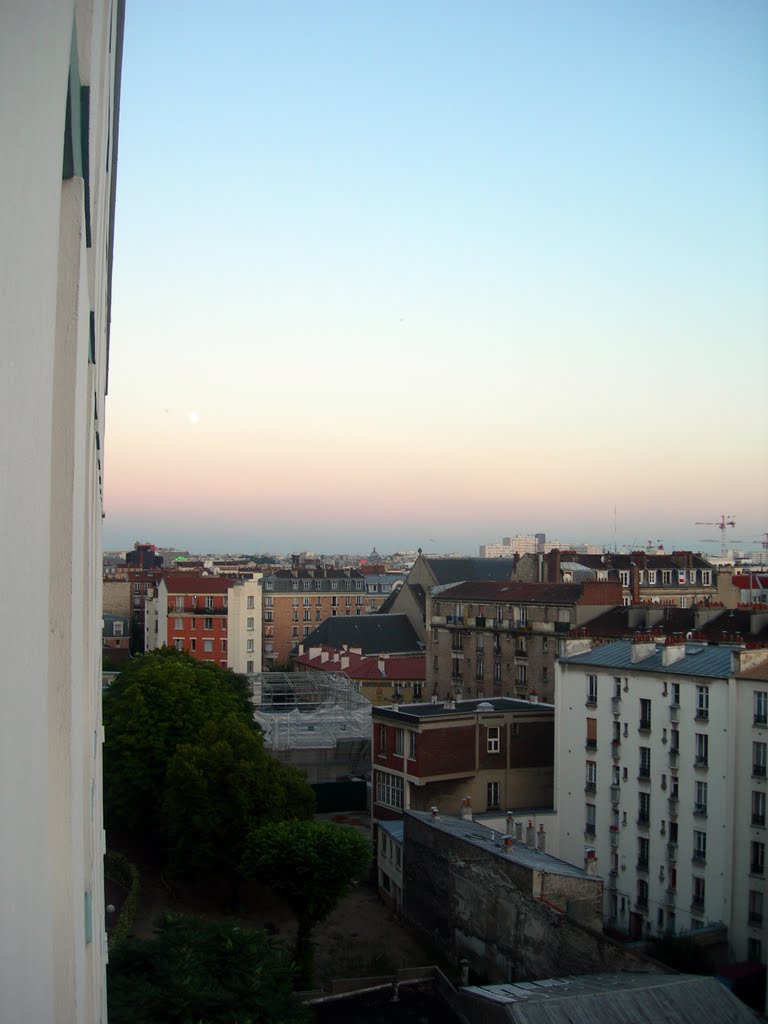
615,750
615,705
454,620
760,720
614,836
615,794
702,714
674,714
590,787
758,820
521,652
755,918
589,829
644,774
699,857
674,759
669,898
700,810
480,621
697,903
673,806
645,725
758,771
643,821
641,903
701,761
590,745
757,868
612,879
672,851
642,864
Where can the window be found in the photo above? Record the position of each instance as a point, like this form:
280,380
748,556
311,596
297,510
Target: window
307,614
249,666
389,790
359,600
207,623
645,715
666,577
644,808
412,745
399,745
692,577
757,858
306,631
590,819
642,893
591,689
758,808
295,616
652,577
180,603
699,845
674,741
523,615
295,602
624,577
702,702
305,602
249,622
591,734
249,646
318,602
758,760
700,798
492,794
417,692
755,907
178,623
645,762
591,780
249,602
675,695
193,644
307,584
178,643
223,646
269,584
494,739
699,893
521,674
497,674
209,604
761,707
706,577
702,749
544,645
479,669
480,642
643,848
318,584
382,739
268,616
318,615
208,646
754,950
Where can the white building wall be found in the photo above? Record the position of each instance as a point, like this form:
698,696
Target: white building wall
244,625
52,966
616,820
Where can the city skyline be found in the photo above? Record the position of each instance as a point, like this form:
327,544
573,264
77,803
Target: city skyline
388,274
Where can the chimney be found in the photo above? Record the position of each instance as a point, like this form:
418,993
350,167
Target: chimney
553,566
507,844
530,836
634,583
673,650
541,840
510,823
519,831
435,813
642,647
466,809
590,861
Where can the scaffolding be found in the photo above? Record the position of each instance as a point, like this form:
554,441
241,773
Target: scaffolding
310,710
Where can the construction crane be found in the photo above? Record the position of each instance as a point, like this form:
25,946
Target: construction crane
721,524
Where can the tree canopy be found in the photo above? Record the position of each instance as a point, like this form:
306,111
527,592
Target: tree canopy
198,971
218,789
309,864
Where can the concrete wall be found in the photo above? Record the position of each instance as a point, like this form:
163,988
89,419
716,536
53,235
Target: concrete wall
473,903
117,597
52,385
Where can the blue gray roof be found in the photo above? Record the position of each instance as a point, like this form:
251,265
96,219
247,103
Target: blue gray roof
699,660
396,829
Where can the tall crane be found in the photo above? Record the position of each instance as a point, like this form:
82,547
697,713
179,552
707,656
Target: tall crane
721,524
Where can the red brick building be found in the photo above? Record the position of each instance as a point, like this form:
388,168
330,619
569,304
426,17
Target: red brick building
498,753
192,616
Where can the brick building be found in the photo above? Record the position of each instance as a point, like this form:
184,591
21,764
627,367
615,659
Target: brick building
381,678
496,753
297,600
502,639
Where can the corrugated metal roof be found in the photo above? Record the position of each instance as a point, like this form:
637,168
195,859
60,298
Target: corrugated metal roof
699,659
635,998
394,828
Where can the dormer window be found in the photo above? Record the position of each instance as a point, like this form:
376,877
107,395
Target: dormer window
652,577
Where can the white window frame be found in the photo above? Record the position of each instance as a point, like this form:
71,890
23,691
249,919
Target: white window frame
493,738
389,789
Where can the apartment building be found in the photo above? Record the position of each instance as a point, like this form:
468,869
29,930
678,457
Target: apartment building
661,778
60,82
297,600
502,639
486,755
681,578
210,617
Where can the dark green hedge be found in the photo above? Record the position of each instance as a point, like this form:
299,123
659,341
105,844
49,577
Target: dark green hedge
119,869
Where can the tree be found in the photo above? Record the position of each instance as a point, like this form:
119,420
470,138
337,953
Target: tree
217,790
158,702
310,865
198,971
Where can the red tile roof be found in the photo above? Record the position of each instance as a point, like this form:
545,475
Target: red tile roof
366,666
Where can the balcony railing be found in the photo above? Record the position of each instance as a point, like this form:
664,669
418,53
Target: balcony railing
669,897
615,705
674,759
697,902
755,917
699,857
673,806
615,794
758,771
671,851
642,864
643,821
674,714
589,828
590,787
760,719
701,761
644,773
614,838
645,725
700,810
590,744
641,902
758,820
615,749
757,868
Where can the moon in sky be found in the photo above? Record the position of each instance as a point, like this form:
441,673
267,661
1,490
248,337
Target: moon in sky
193,417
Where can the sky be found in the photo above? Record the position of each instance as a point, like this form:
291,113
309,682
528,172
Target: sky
429,274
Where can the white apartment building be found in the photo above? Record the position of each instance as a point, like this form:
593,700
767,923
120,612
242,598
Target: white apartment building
660,775
244,625
59,79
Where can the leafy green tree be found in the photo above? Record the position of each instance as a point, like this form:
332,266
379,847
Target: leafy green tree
310,865
198,971
160,701
218,789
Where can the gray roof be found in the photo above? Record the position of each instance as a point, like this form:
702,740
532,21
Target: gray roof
393,828
436,710
699,660
642,998
493,842
456,570
373,634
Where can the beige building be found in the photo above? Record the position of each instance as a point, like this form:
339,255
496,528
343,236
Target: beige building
59,78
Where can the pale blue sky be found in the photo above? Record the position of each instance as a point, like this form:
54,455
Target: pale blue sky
537,230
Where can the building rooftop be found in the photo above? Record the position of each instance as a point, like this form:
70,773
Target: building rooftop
453,570
372,634
645,998
699,659
396,829
484,590
493,842
448,709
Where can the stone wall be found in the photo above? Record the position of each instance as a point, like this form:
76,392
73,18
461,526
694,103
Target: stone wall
477,904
